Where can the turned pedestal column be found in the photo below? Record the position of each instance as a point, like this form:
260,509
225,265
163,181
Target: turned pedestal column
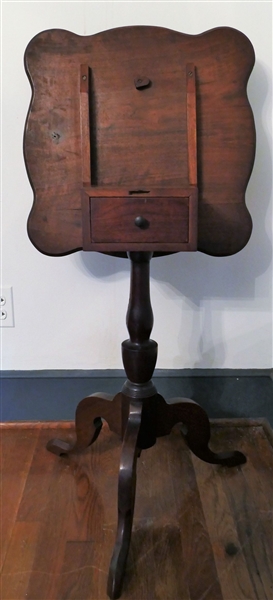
139,415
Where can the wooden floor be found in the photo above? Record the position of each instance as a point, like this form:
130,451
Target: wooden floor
201,532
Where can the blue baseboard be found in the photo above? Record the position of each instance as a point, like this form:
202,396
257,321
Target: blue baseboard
54,394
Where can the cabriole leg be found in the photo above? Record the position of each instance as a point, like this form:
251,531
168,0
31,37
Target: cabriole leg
89,413
126,500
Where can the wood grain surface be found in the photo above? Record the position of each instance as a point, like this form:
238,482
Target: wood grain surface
140,137
201,532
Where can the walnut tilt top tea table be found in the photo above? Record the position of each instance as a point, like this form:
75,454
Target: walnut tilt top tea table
139,142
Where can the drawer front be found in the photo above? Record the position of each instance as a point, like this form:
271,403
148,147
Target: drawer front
139,220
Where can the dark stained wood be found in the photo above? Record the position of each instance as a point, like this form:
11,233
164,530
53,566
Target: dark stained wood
139,317
110,219
193,416
126,500
89,414
189,518
85,124
191,123
139,413
114,220
142,82
139,137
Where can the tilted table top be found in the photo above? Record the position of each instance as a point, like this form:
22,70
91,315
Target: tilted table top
108,133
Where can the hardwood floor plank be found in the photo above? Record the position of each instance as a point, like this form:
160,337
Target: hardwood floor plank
19,560
258,468
154,563
244,500
55,502
37,425
197,555
16,455
140,576
229,558
258,474
81,576
200,532
93,505
250,539
40,477
94,492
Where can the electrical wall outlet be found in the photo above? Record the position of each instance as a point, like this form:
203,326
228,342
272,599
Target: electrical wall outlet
6,307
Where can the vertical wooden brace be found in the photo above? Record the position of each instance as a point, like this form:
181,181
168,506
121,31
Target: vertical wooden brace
191,123
85,123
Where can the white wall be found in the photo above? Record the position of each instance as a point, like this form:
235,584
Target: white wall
70,311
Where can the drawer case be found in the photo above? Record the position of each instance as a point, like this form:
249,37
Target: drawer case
154,220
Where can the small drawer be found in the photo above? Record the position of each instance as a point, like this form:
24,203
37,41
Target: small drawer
155,220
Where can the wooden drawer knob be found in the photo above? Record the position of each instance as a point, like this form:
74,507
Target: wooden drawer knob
141,222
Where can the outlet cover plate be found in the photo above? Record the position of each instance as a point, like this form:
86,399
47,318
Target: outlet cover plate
6,307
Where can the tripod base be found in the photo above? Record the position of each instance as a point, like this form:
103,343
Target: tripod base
139,415
139,423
